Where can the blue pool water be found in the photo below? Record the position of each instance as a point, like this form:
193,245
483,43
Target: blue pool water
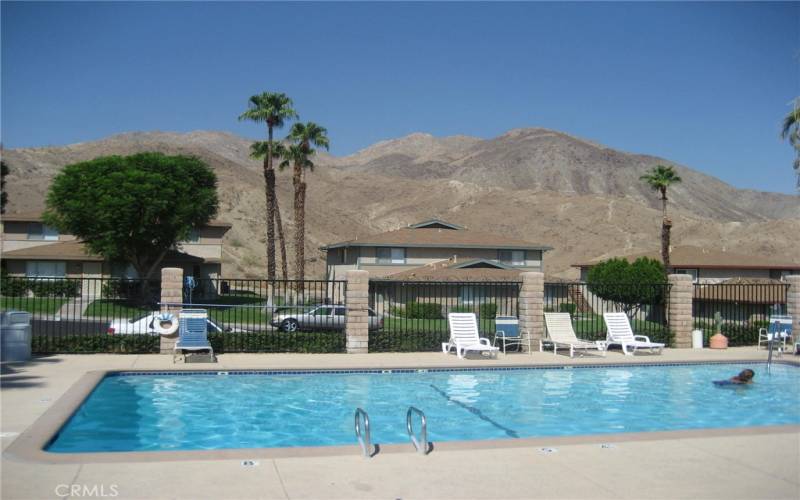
190,412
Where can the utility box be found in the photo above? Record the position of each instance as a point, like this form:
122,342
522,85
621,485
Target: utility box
697,339
15,336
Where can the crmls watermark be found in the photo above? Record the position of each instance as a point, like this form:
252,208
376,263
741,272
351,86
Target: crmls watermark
87,490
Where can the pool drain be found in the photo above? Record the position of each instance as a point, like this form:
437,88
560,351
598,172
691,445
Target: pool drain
547,450
608,446
249,463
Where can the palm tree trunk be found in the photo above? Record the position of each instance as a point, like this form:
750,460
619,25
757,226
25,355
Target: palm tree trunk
301,232
281,240
666,226
269,195
298,249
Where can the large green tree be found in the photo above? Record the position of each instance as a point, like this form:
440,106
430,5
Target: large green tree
133,209
304,136
660,178
791,130
273,109
628,285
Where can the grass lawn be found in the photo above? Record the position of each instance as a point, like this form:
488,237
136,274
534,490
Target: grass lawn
40,305
110,308
238,309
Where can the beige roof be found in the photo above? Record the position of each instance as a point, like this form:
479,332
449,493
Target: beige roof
446,270
67,250
707,258
75,250
439,238
37,217
752,291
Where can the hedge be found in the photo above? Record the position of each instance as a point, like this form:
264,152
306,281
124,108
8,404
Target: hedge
19,287
72,344
568,307
488,310
423,310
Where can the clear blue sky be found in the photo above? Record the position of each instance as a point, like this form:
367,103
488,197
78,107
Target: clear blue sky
705,85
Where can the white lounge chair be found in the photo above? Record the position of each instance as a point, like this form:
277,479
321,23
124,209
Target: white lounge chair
464,335
780,329
560,333
619,332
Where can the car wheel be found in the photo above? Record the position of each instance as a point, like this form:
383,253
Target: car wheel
290,325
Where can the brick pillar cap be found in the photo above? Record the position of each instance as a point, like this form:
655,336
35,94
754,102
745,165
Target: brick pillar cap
532,275
793,279
680,277
356,273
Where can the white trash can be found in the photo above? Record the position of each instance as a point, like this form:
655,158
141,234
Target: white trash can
697,339
15,336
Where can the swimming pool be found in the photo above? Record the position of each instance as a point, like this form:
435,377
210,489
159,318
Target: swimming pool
224,410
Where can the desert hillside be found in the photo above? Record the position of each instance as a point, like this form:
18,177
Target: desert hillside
583,199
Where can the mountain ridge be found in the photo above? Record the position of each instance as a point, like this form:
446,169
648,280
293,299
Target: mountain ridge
582,198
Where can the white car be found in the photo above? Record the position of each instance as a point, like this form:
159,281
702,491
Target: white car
144,325
323,317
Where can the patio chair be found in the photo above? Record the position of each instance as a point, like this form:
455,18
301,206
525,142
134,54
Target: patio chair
619,332
780,329
193,333
464,336
508,333
560,333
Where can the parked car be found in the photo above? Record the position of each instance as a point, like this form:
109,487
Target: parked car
323,317
143,325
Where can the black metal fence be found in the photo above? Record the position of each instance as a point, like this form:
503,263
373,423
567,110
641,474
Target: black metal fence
75,315
248,315
646,305
414,312
737,310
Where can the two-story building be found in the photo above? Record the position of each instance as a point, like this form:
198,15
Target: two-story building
32,249
448,249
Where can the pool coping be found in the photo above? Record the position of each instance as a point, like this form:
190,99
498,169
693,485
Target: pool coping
29,446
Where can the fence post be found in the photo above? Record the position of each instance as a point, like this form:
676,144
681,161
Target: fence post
357,320
531,307
171,292
679,316
793,302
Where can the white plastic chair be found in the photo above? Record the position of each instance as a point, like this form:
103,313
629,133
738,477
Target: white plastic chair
464,336
560,333
619,332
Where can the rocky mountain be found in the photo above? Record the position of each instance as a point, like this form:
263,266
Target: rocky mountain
582,198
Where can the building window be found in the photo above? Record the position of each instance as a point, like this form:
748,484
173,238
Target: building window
511,257
194,236
691,272
391,255
472,294
124,271
38,231
45,269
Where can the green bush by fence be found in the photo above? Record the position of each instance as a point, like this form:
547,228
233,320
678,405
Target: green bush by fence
304,342
19,287
568,307
418,310
461,309
488,310
739,334
75,344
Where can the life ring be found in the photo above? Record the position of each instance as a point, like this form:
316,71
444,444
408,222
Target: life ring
166,324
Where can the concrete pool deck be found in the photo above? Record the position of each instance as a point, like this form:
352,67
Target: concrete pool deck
719,464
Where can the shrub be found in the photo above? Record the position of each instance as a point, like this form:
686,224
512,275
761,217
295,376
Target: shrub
13,287
55,288
423,310
628,285
461,309
305,342
121,344
398,311
488,310
568,307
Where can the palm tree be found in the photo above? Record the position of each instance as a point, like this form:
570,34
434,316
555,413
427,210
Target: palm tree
304,136
274,109
257,150
659,179
791,130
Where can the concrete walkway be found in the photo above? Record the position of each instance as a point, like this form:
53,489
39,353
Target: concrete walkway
765,465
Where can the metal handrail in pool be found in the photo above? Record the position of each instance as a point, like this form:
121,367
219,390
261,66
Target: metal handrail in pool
421,445
363,433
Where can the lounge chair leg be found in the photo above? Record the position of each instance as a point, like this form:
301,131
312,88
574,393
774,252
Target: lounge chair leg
571,351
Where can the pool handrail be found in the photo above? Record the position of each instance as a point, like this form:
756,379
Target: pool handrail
420,445
363,433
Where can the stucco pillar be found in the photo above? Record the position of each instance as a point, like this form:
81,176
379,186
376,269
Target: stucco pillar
679,315
356,300
793,304
531,308
171,293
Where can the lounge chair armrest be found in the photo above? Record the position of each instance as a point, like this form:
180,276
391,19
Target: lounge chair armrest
762,331
644,338
484,341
